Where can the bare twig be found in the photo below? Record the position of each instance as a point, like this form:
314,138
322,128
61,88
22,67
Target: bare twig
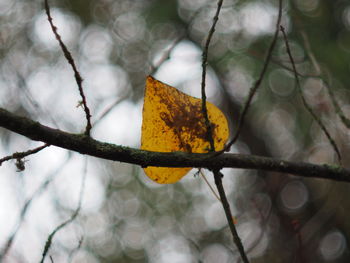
25,208
310,54
204,72
166,55
306,105
20,155
216,172
209,185
318,70
75,250
317,75
255,55
110,108
71,219
257,84
336,106
31,99
218,181
78,78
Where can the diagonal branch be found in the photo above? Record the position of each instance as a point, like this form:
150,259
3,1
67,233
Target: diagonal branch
86,145
218,181
78,78
306,105
257,84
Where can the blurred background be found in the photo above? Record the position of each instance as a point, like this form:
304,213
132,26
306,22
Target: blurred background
125,217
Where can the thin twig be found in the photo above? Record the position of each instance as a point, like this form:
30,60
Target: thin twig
20,155
318,70
310,54
71,219
210,187
236,239
257,84
204,72
306,105
255,55
217,174
26,206
75,250
32,100
336,106
165,56
110,108
78,78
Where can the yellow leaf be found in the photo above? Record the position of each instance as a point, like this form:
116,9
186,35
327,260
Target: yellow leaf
173,121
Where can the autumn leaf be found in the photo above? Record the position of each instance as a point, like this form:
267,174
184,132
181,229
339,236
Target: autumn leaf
173,121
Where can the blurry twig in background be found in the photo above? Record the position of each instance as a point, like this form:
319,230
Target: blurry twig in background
110,108
263,224
258,56
306,105
22,84
336,106
310,54
70,60
166,55
257,84
27,204
71,219
75,250
20,155
318,70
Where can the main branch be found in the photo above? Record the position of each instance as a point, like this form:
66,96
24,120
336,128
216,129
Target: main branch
86,145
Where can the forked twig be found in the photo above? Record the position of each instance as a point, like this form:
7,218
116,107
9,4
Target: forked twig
78,78
71,219
306,105
20,155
